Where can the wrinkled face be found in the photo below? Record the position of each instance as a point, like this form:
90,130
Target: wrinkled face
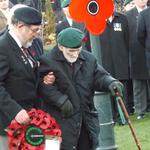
28,33
141,3
71,54
4,4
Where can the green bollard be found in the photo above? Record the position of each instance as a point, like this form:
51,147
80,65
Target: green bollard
103,105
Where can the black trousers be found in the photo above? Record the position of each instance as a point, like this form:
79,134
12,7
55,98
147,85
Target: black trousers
84,140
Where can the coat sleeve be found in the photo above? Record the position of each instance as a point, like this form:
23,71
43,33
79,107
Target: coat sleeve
50,93
102,78
8,106
141,29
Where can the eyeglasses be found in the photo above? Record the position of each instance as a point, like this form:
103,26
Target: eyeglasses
36,29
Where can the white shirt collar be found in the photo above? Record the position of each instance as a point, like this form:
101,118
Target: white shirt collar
15,38
69,21
139,9
110,18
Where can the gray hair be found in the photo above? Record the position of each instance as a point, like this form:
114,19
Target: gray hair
12,19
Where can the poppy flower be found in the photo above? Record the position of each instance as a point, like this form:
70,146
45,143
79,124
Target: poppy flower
93,13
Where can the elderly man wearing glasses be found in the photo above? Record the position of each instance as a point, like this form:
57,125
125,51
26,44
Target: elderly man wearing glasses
18,69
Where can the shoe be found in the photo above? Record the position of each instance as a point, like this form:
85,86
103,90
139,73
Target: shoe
141,116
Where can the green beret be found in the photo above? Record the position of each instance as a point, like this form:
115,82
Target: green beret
70,37
28,15
126,2
65,3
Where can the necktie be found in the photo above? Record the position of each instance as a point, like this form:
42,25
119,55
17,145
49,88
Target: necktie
29,57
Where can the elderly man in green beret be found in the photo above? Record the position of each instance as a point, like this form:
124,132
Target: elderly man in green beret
70,99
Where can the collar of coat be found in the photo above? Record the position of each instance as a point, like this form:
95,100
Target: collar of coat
58,55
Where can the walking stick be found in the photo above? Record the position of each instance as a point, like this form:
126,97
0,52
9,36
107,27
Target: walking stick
118,97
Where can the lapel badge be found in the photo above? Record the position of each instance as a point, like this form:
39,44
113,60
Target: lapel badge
24,59
38,64
117,26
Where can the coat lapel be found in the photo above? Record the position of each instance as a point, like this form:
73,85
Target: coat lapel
20,56
78,64
63,63
135,13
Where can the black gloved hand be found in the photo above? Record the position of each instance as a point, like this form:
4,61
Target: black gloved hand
67,109
116,86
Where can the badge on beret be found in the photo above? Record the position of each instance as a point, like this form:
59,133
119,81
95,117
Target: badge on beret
34,135
93,13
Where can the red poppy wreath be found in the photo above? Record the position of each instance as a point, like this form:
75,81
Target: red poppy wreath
92,12
32,136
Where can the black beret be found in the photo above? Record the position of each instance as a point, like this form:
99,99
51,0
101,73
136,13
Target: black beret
28,15
70,37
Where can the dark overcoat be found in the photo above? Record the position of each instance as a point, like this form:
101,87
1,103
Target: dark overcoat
65,24
77,83
114,47
36,50
143,33
137,51
18,81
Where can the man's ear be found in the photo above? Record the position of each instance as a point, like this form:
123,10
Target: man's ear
20,25
60,47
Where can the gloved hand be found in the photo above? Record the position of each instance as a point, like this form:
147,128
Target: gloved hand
67,109
116,86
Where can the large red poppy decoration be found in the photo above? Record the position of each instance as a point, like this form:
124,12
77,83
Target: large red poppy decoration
32,136
92,12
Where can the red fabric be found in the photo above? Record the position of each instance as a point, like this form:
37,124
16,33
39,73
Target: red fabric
94,23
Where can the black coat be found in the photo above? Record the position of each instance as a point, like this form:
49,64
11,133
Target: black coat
65,24
18,81
137,51
114,47
36,49
143,33
76,83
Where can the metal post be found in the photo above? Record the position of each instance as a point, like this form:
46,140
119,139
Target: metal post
103,105
106,137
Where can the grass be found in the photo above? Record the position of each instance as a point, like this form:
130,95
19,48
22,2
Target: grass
124,138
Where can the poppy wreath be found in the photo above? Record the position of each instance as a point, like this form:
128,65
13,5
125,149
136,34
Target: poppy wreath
93,13
32,136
